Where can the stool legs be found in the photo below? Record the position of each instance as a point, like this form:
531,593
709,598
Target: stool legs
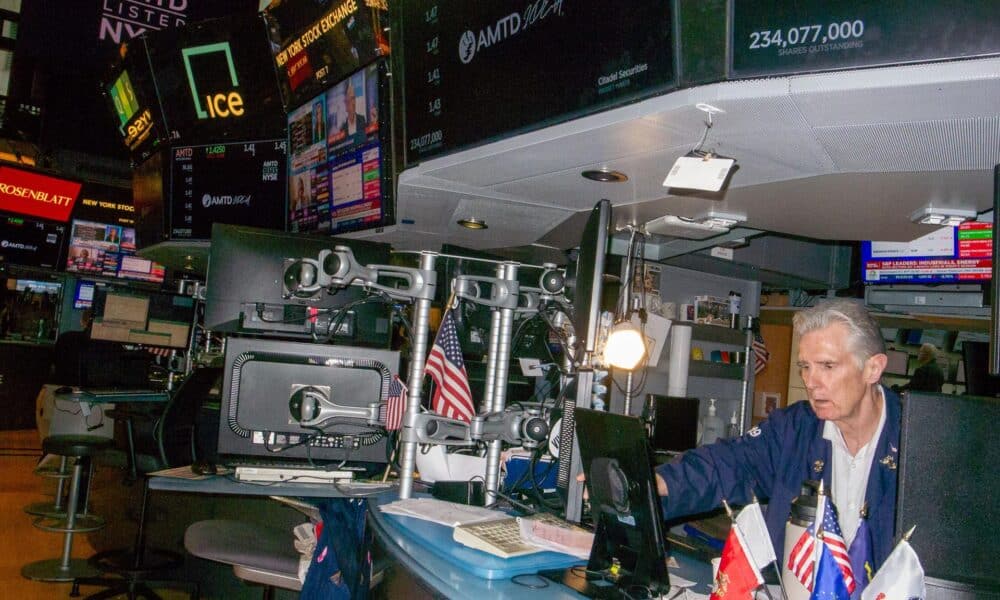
64,568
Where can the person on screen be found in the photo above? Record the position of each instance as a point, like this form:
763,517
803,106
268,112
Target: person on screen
82,259
319,129
928,376
300,199
354,124
111,235
847,434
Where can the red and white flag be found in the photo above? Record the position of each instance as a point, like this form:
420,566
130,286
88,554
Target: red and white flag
738,576
452,396
395,405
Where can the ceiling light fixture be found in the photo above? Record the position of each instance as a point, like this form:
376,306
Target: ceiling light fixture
473,223
605,175
701,227
942,217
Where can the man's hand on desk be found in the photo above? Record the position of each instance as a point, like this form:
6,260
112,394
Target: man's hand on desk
661,486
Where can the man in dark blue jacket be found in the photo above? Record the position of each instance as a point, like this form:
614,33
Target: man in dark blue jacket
846,434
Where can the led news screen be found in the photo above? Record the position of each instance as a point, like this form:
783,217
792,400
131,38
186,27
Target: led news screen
30,242
962,254
217,81
318,43
108,250
340,152
242,183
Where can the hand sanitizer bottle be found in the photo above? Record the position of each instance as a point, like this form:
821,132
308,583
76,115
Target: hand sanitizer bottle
734,429
711,429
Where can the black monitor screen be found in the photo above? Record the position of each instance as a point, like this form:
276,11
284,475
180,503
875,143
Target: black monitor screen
340,157
245,293
241,183
976,359
948,460
31,243
586,290
629,538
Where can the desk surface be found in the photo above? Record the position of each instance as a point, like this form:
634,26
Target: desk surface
453,581
221,484
112,396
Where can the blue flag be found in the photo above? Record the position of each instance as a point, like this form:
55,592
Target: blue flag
861,558
829,578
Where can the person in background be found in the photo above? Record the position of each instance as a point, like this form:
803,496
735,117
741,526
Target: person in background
847,434
70,351
928,376
354,123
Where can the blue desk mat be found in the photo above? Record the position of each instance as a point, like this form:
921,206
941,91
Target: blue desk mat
438,539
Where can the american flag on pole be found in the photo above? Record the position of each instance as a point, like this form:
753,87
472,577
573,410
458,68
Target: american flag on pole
452,396
761,355
802,559
396,404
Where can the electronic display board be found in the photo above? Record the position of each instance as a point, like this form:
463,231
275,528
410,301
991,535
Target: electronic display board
131,95
478,71
29,242
37,195
340,153
962,254
776,37
241,183
317,44
217,81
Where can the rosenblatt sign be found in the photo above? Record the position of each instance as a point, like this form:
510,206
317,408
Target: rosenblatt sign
37,195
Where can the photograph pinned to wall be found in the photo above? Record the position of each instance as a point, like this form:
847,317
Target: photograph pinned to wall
765,403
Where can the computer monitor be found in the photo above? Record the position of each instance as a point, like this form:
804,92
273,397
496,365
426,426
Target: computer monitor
897,363
141,317
978,381
626,509
271,388
674,422
587,285
948,479
245,293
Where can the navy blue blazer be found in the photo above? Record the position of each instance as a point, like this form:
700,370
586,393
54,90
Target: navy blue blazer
772,461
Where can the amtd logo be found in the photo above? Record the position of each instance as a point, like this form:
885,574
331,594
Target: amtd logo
222,104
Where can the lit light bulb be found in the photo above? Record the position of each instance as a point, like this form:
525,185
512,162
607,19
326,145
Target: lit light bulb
625,346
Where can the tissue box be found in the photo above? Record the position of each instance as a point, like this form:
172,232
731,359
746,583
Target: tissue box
711,310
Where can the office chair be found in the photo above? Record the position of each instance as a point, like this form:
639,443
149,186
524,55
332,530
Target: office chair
176,445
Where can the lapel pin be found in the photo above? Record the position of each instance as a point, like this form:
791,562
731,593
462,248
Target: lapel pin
889,462
818,466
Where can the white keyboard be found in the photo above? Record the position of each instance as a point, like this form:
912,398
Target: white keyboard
500,538
291,475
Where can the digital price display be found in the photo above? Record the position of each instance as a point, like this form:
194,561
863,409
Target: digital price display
477,71
241,183
776,37
29,242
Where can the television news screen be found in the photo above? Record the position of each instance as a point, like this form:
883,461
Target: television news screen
108,250
316,44
131,95
962,254
240,183
340,167
29,242
83,297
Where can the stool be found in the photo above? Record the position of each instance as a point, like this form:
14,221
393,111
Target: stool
134,566
258,553
64,568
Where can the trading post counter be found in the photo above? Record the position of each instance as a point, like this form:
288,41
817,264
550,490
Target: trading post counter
442,567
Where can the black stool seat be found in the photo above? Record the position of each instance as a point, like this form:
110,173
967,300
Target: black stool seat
75,445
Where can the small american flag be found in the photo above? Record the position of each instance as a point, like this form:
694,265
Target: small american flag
396,404
452,396
761,355
802,558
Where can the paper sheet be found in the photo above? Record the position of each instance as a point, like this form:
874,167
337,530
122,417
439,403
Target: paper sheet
444,513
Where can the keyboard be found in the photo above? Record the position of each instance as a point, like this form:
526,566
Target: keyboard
291,475
501,537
